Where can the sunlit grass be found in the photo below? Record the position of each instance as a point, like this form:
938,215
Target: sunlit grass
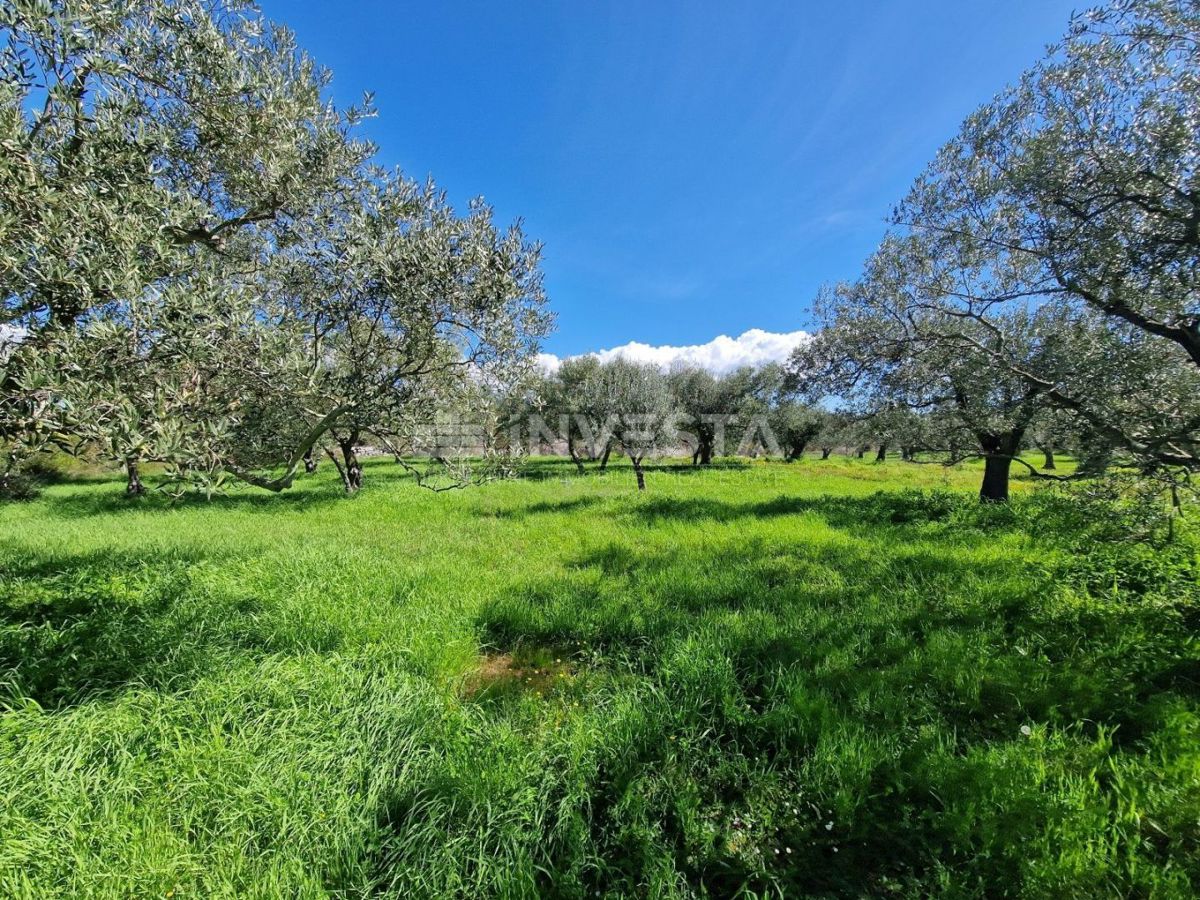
764,678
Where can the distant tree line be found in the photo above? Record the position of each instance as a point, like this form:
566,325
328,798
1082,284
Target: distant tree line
589,410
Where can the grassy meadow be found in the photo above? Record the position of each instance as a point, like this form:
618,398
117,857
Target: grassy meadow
834,678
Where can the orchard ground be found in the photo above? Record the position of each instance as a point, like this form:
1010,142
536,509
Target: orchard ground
834,678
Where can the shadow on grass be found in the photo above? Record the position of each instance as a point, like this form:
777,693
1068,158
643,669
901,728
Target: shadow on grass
891,692
885,594
97,624
541,468
883,508
313,495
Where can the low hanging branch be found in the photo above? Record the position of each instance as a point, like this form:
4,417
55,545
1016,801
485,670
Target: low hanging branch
462,474
284,481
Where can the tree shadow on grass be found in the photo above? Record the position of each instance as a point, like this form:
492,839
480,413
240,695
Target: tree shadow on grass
879,603
115,502
541,468
94,625
894,510
883,681
549,507
882,508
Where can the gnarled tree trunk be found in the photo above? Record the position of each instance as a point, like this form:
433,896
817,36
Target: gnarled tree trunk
825,451
637,470
881,456
998,453
1048,453
310,461
348,466
133,478
575,458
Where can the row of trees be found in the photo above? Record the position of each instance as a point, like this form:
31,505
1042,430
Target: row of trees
201,266
592,409
1041,274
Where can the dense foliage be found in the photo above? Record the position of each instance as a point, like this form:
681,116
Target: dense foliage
199,265
1045,263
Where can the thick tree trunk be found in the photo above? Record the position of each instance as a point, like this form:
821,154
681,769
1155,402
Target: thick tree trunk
310,461
574,453
906,454
795,451
706,453
351,467
998,450
604,457
881,456
133,479
861,452
1048,453
995,479
825,451
641,476
696,457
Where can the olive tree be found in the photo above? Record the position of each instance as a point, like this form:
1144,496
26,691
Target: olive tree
141,139
581,413
795,426
1083,178
638,409
173,377
709,404
900,338
139,131
399,303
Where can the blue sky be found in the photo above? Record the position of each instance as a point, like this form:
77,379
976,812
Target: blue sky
693,168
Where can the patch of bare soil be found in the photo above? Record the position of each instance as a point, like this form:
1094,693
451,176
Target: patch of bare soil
539,671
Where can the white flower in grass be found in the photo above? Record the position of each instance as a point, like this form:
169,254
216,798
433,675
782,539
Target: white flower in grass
1026,730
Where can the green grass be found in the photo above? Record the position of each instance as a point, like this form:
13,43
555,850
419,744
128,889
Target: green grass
763,680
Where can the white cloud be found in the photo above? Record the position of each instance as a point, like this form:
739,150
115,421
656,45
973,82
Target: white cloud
548,362
720,355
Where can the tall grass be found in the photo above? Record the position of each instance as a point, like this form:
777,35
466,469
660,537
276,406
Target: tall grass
826,678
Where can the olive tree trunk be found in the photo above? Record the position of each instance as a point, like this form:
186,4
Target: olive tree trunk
574,454
795,451
353,473
349,467
133,478
998,453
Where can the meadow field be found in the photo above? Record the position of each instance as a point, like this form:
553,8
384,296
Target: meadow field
826,678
